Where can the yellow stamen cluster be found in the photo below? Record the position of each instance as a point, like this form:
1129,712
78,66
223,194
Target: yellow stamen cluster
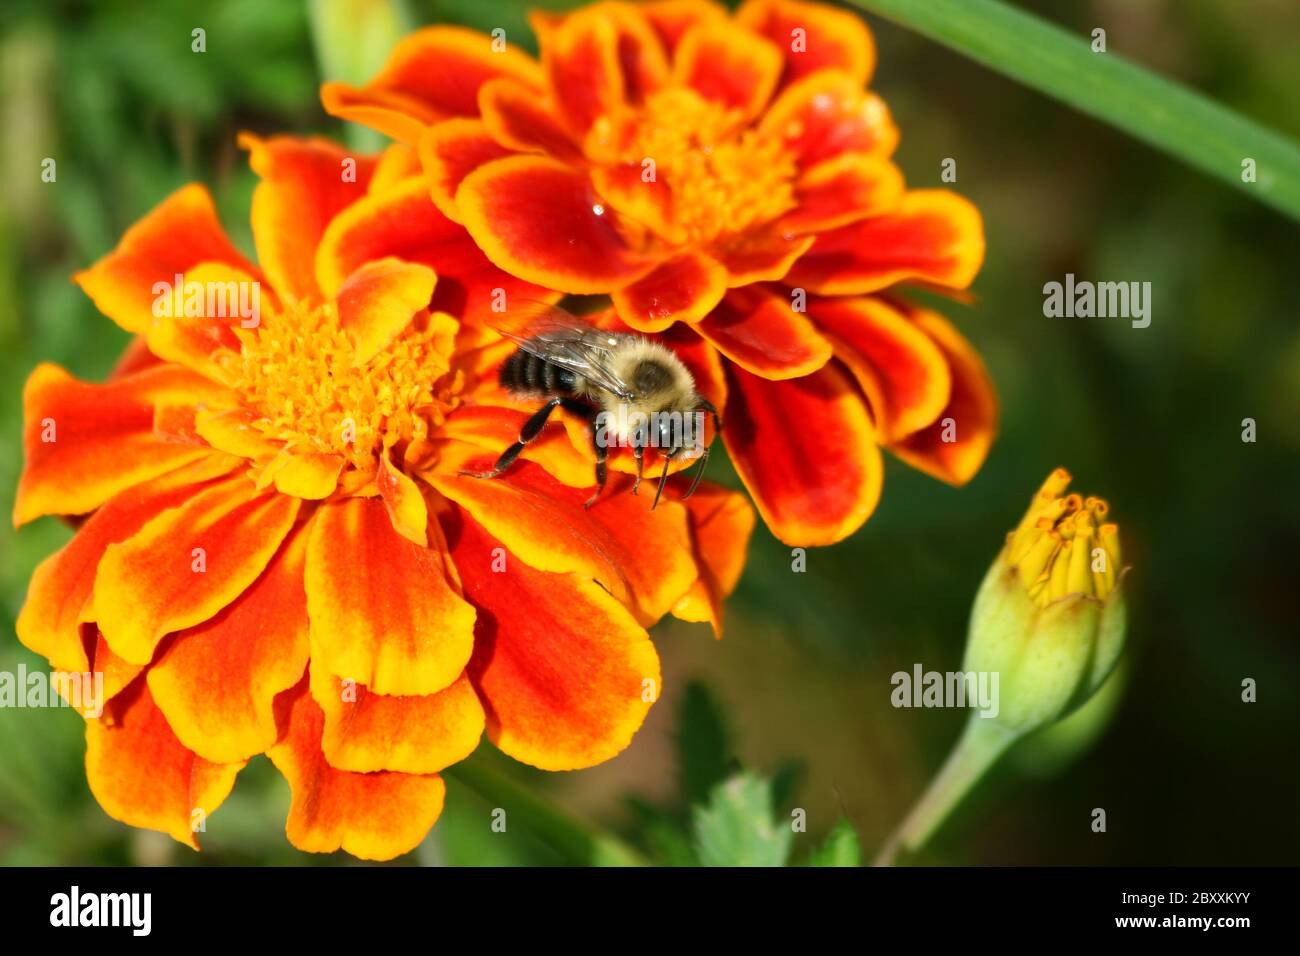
724,182
1064,545
299,371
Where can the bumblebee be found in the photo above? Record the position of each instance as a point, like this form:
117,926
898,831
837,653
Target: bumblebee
630,390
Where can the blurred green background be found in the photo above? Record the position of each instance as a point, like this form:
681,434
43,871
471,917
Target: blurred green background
799,689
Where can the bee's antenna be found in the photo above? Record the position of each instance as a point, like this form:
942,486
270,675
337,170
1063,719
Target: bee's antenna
663,478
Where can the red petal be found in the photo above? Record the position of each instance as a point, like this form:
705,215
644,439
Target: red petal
813,36
901,370
187,564
432,74
761,257
934,236
450,151
564,671
84,443
970,417
721,524
304,184
404,223
806,452
537,218
178,234
827,114
517,120
385,612
580,58
730,66
142,775
844,189
640,557
216,682
673,19
374,816
684,289
759,331
58,597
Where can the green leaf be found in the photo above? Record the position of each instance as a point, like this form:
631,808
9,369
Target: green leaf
736,827
704,755
840,849
1149,107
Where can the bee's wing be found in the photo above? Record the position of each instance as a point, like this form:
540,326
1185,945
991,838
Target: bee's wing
564,340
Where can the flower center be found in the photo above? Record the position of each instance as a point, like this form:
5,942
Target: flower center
299,371
1064,545
724,181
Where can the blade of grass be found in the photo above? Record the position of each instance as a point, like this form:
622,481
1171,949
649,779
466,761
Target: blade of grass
1143,104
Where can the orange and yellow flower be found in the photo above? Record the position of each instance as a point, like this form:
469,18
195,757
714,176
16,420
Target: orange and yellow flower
728,178
276,552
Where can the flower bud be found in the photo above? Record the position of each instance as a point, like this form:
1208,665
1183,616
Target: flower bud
1049,617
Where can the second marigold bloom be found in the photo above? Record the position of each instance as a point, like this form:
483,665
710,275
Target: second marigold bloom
731,174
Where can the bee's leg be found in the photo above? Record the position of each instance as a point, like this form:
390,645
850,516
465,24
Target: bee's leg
638,451
532,428
591,414
663,478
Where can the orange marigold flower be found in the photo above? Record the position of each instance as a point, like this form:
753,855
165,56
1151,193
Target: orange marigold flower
732,174
279,554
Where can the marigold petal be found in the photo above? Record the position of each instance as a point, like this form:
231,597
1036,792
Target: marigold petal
404,223
721,524
761,257
217,682
495,429
187,563
934,236
844,189
900,369
728,65
199,340
450,151
813,36
384,611
403,500
683,289
379,300
537,218
673,19
366,732
642,558
142,775
176,235
827,114
59,594
432,74
304,183
232,430
970,417
580,59
806,451
565,673
373,816
761,332
85,442
518,121
311,476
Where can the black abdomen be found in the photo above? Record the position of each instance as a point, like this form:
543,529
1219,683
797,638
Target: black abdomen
525,372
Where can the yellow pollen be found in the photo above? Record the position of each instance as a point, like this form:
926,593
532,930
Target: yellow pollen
725,181
1064,545
298,372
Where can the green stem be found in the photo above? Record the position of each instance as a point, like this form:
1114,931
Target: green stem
1143,104
575,840
981,744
